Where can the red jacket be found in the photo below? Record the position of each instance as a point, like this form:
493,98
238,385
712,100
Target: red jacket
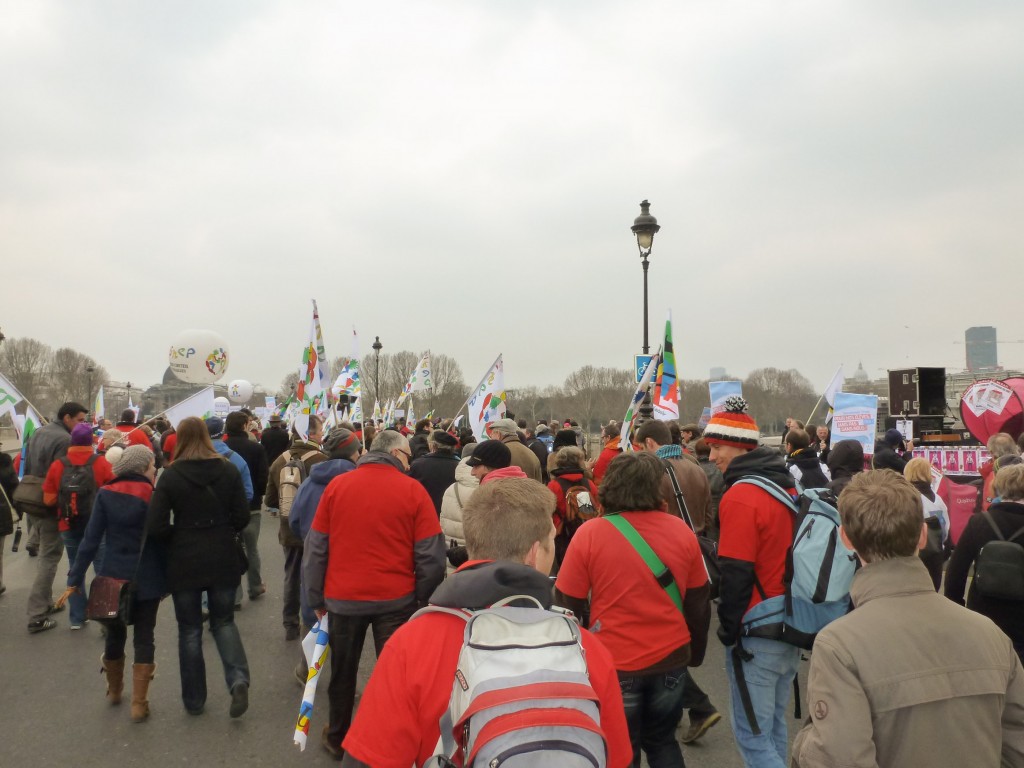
569,479
609,452
77,455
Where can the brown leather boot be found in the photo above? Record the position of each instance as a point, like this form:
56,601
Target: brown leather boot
141,675
114,671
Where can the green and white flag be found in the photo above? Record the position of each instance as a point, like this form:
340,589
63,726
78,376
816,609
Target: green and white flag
200,404
9,396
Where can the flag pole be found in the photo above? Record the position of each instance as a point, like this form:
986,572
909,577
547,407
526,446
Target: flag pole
477,387
814,409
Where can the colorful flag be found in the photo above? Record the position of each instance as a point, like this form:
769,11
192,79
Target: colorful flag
98,410
377,416
310,391
315,645
9,396
665,394
835,386
200,404
487,403
318,335
410,417
634,403
25,426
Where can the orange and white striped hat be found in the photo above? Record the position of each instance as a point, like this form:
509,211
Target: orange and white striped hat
733,426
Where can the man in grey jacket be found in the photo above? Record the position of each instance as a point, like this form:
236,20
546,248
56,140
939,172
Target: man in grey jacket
908,677
45,446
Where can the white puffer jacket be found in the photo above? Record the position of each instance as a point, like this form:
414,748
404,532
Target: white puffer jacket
454,500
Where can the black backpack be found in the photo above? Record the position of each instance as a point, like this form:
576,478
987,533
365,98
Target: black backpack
77,492
999,567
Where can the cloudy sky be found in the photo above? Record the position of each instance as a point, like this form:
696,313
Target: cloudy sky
836,181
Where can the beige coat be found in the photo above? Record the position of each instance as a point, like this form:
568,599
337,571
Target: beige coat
696,491
910,678
523,458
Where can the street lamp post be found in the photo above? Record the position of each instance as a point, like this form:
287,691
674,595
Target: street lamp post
377,346
88,395
645,227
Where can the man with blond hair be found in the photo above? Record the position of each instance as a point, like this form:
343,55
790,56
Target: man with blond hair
908,677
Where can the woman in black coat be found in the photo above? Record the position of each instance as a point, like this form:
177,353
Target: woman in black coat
198,507
436,470
1008,516
8,482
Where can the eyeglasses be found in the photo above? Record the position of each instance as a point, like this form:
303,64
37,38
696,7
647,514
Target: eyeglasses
408,456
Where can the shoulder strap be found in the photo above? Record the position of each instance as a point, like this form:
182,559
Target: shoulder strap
680,500
65,461
92,460
661,573
458,498
769,487
308,455
998,532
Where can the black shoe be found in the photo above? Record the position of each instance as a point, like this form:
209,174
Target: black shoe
32,551
291,633
335,752
56,609
239,699
41,626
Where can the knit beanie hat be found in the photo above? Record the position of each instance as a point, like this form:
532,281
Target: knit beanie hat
733,426
133,460
81,435
564,438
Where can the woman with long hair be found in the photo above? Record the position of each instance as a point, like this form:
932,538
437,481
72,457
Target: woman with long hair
919,472
119,518
198,507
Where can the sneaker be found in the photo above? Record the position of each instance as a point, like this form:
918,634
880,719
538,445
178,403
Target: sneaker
239,699
291,633
259,592
335,752
32,551
76,627
41,626
3,589
699,727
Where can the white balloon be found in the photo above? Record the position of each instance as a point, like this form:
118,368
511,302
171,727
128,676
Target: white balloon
239,391
221,406
198,357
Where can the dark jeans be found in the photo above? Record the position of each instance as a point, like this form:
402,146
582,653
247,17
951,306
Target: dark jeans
292,586
347,634
144,614
654,705
695,700
188,608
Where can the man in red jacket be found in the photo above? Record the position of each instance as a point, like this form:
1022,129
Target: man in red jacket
756,532
374,555
510,539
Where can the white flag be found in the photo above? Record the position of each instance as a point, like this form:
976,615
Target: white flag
27,424
834,386
488,401
200,404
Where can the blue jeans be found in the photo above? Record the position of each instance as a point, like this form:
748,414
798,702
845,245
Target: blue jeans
769,678
654,706
76,603
188,611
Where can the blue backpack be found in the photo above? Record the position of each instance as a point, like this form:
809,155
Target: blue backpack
819,570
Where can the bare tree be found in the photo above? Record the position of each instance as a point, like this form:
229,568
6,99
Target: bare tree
773,394
26,362
70,378
288,385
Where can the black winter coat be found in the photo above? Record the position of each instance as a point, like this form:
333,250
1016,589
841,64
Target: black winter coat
436,473
418,445
197,507
9,482
256,459
275,441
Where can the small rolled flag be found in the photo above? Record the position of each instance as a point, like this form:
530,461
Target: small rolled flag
315,645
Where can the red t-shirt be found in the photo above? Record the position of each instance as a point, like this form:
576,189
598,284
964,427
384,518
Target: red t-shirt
373,517
756,528
629,611
169,444
398,715
78,455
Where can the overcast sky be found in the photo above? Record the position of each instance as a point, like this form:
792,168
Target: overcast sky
836,181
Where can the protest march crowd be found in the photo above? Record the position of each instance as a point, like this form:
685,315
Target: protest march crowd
531,604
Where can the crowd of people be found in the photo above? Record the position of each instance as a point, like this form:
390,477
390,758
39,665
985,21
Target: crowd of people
410,531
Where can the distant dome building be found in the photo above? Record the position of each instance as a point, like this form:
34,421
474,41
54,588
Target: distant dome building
861,376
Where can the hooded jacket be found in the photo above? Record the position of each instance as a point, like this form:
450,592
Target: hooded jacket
503,474
756,532
396,724
807,469
198,505
845,460
454,501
